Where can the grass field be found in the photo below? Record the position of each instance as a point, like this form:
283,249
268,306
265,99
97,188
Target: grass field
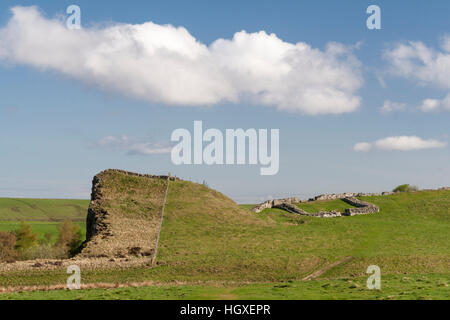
41,228
43,215
43,209
411,287
410,235
206,237
316,206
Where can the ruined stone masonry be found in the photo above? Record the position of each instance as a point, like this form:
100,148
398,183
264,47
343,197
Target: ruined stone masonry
335,196
106,236
95,220
128,173
362,207
288,204
273,203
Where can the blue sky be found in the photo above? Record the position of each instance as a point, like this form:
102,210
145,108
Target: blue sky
51,123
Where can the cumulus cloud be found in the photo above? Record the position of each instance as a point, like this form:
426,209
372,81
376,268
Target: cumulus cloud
400,143
362,147
432,105
390,106
426,65
414,60
406,143
130,146
166,64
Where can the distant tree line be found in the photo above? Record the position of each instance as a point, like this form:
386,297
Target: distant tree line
23,244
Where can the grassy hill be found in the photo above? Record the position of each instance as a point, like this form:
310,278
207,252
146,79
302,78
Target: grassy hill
41,228
43,215
316,206
209,242
201,239
42,209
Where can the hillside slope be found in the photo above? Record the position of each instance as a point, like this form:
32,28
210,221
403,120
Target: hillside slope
15,209
207,237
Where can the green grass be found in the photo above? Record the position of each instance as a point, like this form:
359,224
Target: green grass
41,228
412,287
43,215
316,206
43,209
198,241
207,237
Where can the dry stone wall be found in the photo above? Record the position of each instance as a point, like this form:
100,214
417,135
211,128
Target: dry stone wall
335,196
362,207
128,173
288,204
95,220
273,203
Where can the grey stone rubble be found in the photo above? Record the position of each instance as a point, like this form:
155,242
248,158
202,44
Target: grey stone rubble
335,196
273,203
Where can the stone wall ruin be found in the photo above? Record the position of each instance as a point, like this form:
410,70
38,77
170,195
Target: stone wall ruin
288,204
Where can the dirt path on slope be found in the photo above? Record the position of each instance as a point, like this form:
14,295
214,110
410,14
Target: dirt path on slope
319,272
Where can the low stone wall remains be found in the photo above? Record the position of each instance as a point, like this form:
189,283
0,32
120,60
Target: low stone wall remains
362,207
288,204
128,173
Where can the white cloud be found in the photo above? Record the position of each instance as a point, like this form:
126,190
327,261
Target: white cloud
400,143
390,106
166,64
446,43
130,146
407,143
362,147
428,66
432,105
